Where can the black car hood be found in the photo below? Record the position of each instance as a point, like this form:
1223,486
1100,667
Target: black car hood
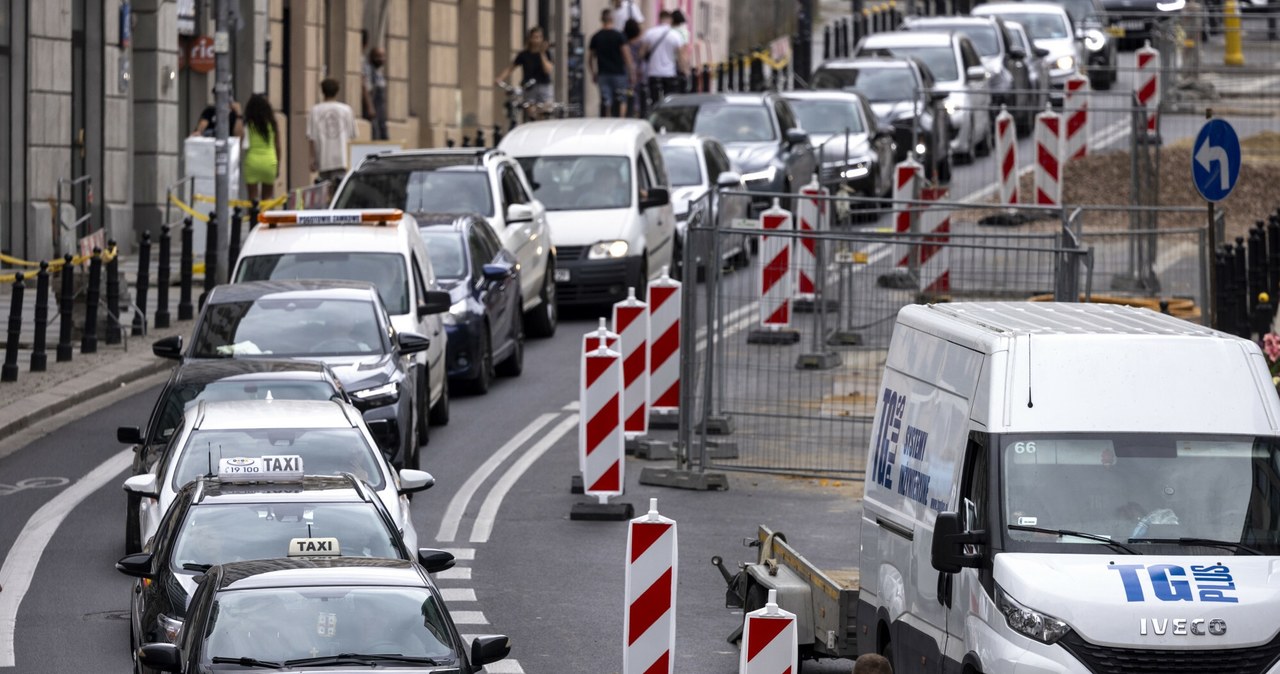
361,372
747,157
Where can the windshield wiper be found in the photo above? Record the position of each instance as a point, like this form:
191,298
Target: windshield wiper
1077,534
364,659
192,566
247,662
1208,542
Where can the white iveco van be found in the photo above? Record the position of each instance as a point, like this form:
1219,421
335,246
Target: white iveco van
1071,488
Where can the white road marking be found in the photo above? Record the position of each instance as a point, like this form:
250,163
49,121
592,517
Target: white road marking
20,564
469,618
458,504
456,594
456,573
504,667
461,554
572,406
483,526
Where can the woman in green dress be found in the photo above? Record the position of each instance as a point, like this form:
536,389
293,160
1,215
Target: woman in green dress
261,161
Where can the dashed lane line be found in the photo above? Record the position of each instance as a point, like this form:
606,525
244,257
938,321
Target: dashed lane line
456,573
483,526
457,594
468,617
461,554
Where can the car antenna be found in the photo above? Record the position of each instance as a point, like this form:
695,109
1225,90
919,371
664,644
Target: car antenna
1029,403
309,530
209,455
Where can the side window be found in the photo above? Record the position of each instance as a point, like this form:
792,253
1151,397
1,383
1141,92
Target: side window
1009,42
478,252
786,120
713,168
490,239
419,280
512,193
656,162
976,485
643,180
968,56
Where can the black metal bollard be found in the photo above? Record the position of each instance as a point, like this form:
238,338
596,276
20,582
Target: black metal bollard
65,300
1222,291
757,73
139,326
233,238
211,258
1239,269
497,135
89,342
843,28
826,42
1164,307
1273,260
1260,319
40,359
9,372
185,261
721,73
480,142
114,326
1257,260
466,141
742,73
706,79
162,280
255,211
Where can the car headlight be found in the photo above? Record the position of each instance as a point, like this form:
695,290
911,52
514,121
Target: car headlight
766,175
169,628
950,105
920,149
1094,39
1171,6
855,170
1065,63
1029,622
378,395
605,250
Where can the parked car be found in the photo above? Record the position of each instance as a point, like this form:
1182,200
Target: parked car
760,132
902,94
957,69
1004,59
1050,28
696,164
484,322
1135,21
854,147
468,180
1094,30
1037,65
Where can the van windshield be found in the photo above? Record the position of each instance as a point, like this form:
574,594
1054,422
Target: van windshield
579,183
1144,490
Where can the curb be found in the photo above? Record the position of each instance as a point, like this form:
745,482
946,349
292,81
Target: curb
45,409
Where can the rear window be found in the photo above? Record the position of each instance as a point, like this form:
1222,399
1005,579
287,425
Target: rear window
324,451
386,271
726,122
941,61
445,190
682,165
893,83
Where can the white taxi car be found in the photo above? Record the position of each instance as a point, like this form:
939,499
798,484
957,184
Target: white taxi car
379,246
329,436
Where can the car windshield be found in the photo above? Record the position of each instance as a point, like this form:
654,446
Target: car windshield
215,534
289,327
983,37
1040,26
828,117
386,271
282,624
726,122
682,165
1161,486
876,84
181,398
324,451
457,189
579,183
448,259
941,61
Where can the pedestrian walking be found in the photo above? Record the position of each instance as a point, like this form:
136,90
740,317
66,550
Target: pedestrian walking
871,663
330,126
374,79
639,96
664,56
261,162
611,69
627,10
209,116
534,65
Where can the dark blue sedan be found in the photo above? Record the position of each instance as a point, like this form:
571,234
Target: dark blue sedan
486,332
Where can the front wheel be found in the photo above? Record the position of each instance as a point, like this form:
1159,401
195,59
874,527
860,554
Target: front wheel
439,415
480,385
513,364
424,398
542,321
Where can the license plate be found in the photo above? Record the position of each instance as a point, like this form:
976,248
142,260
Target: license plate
562,275
1115,31
1133,25
745,223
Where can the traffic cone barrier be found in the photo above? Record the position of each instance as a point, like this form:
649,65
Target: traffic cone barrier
1075,106
631,322
600,436
809,218
665,297
769,643
1007,157
591,342
775,274
649,627
1048,169
1146,86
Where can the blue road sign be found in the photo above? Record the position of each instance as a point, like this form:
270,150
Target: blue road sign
1215,160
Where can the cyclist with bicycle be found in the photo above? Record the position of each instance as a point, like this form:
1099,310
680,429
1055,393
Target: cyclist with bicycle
535,65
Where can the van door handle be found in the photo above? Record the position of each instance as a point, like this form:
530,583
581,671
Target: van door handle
895,528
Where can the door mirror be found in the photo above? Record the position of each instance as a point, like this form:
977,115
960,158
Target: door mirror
412,342
415,480
729,180
936,97
797,137
1040,52
169,347
949,539
434,302
138,565
1017,53
129,435
498,272
658,196
142,485
161,657
519,213
435,561
975,74
490,649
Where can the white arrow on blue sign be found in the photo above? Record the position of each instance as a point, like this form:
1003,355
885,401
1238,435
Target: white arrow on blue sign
1215,161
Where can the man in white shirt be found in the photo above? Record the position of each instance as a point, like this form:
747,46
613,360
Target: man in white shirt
663,50
330,126
627,10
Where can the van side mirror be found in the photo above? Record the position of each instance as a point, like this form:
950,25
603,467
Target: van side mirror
949,539
434,302
128,435
169,347
657,196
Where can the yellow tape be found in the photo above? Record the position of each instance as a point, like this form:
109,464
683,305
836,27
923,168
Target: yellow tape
57,264
188,210
768,60
244,203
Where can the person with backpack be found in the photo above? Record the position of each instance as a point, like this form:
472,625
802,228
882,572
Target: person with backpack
663,53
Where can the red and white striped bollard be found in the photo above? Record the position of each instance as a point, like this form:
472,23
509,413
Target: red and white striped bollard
1075,106
600,436
665,296
810,217
769,641
591,342
1146,85
1048,169
1007,157
649,627
631,322
775,269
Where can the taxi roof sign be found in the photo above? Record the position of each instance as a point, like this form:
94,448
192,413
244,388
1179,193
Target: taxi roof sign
368,216
269,468
314,547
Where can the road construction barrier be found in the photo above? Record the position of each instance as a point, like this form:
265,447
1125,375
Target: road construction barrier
908,176
652,571
930,257
1075,107
810,217
39,359
1007,157
9,371
65,300
89,341
775,269
591,342
600,436
1146,85
1048,167
769,641
664,345
162,279
631,322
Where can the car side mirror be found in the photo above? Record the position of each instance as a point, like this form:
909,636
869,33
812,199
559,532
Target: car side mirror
1040,52
796,137
936,97
498,272
415,480
412,342
489,649
129,435
657,196
1017,53
169,347
435,561
143,485
160,657
975,74
434,302
519,213
949,539
729,180
136,565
